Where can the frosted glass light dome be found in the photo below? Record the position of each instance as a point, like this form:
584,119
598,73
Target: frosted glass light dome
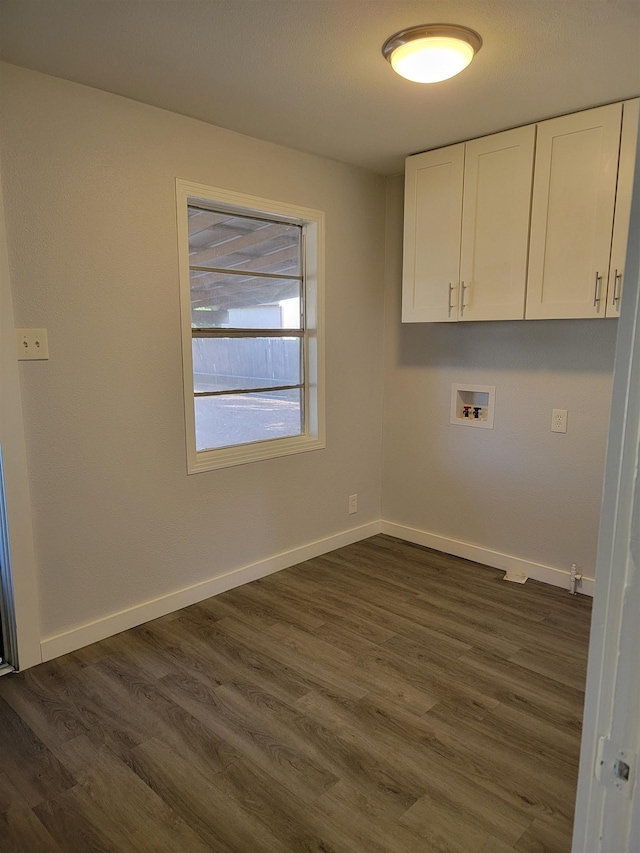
432,52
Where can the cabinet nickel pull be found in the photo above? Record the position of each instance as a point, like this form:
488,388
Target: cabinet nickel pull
463,287
450,306
616,290
597,297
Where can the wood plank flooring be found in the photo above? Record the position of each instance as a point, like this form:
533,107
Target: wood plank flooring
384,698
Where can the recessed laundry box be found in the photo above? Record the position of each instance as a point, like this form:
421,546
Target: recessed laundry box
473,405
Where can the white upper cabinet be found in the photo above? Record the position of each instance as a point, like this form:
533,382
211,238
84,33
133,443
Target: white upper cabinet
574,194
489,235
466,229
495,225
630,115
432,216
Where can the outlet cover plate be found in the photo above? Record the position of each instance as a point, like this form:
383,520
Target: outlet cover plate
32,344
559,420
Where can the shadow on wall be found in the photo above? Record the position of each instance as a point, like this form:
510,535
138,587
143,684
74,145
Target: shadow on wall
534,345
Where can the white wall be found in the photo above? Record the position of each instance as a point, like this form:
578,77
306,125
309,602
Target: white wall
89,194
119,527
519,489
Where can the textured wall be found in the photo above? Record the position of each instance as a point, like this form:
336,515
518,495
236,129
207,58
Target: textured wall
91,223
518,489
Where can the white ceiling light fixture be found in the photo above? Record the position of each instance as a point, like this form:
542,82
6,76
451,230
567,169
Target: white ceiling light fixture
431,52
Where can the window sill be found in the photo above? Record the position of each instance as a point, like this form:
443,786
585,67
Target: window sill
226,457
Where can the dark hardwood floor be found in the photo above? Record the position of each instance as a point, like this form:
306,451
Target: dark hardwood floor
381,698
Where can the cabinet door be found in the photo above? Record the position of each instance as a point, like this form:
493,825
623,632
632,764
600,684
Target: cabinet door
630,112
496,203
432,220
572,215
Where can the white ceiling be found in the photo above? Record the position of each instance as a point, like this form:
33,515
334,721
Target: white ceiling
309,74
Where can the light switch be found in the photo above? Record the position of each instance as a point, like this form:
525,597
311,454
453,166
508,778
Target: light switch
32,344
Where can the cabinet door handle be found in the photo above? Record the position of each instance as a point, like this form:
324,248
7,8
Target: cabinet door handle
597,292
617,291
450,307
463,287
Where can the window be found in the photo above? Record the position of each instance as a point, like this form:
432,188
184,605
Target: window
251,302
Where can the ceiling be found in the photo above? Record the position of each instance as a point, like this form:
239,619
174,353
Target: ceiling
309,74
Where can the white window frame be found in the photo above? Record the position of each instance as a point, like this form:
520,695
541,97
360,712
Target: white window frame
312,222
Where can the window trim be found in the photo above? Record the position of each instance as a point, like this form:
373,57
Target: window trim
312,221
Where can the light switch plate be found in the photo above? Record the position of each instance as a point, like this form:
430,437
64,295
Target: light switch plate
32,344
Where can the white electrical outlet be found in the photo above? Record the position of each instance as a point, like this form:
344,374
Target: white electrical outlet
353,504
32,344
559,420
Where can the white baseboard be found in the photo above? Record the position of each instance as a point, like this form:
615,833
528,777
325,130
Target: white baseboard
92,632
536,571
114,623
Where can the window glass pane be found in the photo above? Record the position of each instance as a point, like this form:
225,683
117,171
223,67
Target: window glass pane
252,326
224,240
243,418
224,364
244,302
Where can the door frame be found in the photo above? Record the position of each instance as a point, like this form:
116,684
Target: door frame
8,632
607,813
21,565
